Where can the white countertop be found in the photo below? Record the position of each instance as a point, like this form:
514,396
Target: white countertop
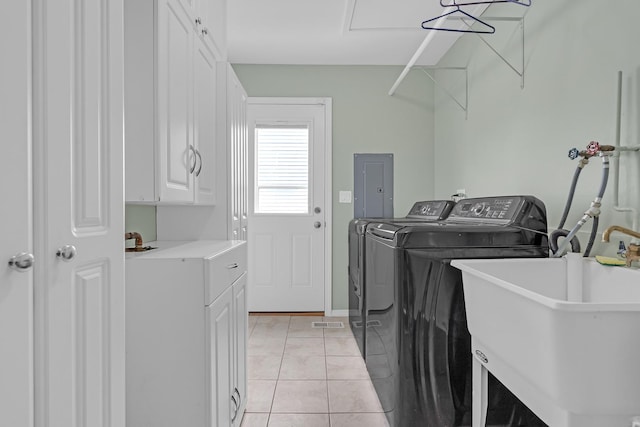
185,249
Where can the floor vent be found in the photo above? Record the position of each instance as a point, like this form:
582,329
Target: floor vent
327,325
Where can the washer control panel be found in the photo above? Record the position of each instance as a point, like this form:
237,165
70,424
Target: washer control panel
431,209
501,210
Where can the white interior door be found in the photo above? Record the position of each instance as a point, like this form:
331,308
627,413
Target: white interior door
286,240
16,237
78,140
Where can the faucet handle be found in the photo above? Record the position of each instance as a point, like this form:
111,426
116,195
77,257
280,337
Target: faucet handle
574,153
622,249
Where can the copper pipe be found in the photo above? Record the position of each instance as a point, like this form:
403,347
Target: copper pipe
134,235
606,233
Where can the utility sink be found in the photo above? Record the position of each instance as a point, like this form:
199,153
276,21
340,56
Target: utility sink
563,334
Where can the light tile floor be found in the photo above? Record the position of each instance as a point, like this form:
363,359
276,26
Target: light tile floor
301,376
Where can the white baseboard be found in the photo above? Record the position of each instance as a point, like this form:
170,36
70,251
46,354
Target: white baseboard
337,313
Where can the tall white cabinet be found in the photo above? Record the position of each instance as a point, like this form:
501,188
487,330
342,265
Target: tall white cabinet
186,152
238,154
62,281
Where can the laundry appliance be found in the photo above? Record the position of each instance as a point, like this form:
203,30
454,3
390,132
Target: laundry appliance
417,342
423,211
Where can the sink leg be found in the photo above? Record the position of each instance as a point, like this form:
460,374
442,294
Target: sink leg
480,391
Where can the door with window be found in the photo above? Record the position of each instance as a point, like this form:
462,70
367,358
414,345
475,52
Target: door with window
287,204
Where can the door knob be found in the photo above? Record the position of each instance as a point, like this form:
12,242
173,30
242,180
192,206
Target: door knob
21,262
66,253
317,210
317,224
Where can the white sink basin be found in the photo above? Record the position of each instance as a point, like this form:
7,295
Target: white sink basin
562,334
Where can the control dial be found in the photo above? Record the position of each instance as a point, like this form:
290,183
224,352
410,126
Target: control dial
479,208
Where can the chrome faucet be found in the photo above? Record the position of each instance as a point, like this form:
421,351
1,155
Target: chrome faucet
633,251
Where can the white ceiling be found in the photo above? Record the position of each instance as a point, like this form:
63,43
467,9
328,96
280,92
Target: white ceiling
333,32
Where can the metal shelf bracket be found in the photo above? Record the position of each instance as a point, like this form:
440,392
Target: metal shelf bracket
462,104
519,70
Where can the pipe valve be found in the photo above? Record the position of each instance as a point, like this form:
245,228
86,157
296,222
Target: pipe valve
574,153
593,148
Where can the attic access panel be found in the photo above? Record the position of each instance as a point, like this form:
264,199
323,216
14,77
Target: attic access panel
373,185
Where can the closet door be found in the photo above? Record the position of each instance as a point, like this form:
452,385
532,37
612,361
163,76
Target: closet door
78,139
16,281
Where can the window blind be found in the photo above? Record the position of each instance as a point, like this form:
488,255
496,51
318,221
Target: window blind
282,169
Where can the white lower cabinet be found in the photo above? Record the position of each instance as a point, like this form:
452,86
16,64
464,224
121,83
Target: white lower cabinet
241,319
186,335
227,321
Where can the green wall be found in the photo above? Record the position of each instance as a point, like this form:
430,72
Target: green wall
365,120
141,219
516,140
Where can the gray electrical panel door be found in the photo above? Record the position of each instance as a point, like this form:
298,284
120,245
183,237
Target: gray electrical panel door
373,185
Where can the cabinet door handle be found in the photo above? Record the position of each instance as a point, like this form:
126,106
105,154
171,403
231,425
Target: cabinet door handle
232,266
193,166
239,397
235,411
199,157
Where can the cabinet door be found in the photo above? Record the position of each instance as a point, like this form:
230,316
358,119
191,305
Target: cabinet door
176,153
220,321
205,123
241,322
16,285
213,27
191,8
236,106
243,162
78,181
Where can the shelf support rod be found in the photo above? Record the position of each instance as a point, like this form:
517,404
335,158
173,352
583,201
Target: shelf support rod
427,40
445,90
518,72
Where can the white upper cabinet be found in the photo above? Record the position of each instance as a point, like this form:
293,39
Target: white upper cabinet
210,20
170,103
205,123
214,25
190,6
176,156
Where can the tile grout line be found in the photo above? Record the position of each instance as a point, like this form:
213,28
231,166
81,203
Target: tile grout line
325,335
326,372
273,399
